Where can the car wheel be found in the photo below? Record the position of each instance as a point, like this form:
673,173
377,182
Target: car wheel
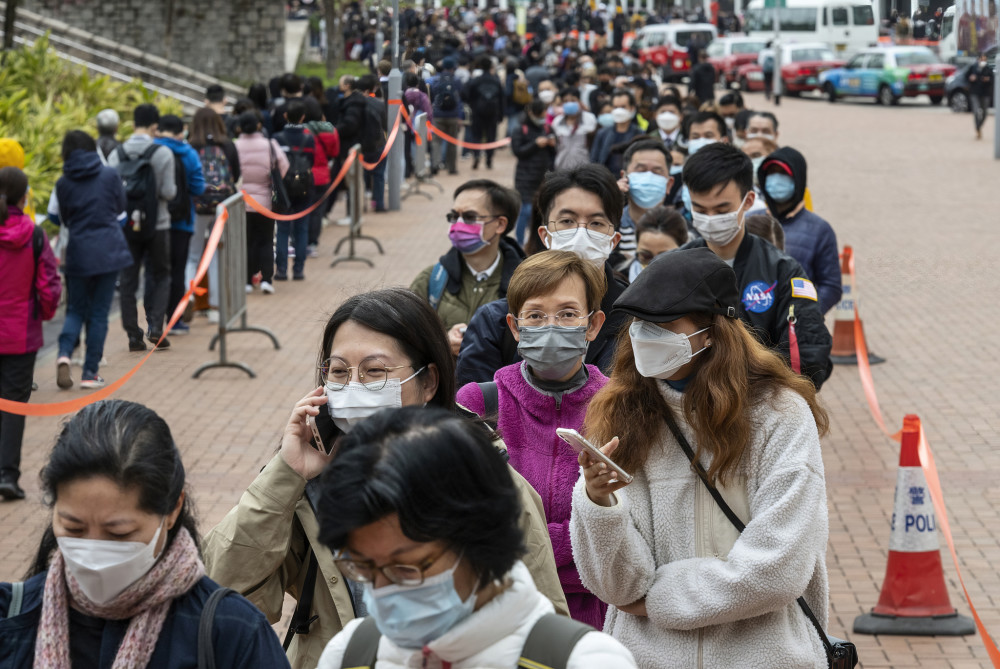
959,102
831,92
885,96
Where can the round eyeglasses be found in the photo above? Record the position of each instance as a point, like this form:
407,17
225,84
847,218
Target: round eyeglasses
595,227
373,373
567,318
363,571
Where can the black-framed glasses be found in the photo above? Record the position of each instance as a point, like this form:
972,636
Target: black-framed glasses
595,227
363,571
472,217
566,318
373,373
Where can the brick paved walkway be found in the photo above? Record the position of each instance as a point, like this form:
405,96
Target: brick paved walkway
908,187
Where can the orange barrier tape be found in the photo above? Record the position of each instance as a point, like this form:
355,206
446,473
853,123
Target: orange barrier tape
261,209
926,464
70,406
468,145
388,145
409,124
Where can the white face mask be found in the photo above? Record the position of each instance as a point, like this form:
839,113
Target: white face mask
760,135
721,228
667,121
659,353
621,115
701,142
547,96
757,162
581,243
104,569
356,401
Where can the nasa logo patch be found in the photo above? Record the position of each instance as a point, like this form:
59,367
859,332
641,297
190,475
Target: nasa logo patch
758,296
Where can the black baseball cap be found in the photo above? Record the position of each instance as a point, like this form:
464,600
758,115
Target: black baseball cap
681,282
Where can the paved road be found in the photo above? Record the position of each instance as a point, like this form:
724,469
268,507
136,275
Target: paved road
908,187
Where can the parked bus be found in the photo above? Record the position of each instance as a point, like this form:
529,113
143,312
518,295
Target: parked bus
846,25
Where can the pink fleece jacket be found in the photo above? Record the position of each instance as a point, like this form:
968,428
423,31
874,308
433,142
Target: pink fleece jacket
27,296
527,422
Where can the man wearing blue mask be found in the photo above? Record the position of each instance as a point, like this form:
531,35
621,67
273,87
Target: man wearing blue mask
777,298
808,238
645,180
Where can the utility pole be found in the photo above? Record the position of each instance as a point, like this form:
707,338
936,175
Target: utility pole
8,25
996,96
395,156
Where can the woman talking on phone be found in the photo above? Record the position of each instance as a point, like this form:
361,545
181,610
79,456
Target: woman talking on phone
685,586
381,349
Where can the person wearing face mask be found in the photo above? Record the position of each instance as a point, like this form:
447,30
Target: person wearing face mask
728,106
533,144
482,257
645,181
660,229
775,291
268,544
668,121
604,118
609,143
118,580
573,130
547,93
808,238
579,210
555,312
440,566
703,129
763,125
681,581
757,149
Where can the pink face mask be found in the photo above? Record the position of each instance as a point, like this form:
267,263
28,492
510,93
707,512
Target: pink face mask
466,237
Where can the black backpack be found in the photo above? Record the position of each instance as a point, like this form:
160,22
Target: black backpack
489,98
446,98
298,179
373,135
180,206
142,201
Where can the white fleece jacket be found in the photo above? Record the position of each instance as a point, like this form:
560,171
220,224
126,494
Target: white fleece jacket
734,610
491,638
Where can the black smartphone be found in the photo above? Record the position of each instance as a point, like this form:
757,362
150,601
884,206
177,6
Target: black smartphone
325,432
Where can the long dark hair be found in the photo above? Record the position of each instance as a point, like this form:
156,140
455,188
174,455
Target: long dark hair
407,318
129,444
13,186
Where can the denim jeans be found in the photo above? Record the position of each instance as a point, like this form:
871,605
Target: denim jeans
375,179
299,232
88,300
523,229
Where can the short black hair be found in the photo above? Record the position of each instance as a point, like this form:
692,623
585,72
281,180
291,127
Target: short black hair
146,115
291,83
172,124
215,93
570,90
768,115
715,166
731,98
645,143
624,91
439,473
742,119
591,177
706,116
77,140
296,111
365,83
505,201
668,100
249,122
665,220
411,80
314,112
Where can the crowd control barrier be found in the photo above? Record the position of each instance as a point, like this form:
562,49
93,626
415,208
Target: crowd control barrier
356,201
421,169
232,256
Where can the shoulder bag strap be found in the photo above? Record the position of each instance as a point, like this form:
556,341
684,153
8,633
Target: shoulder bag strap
301,620
491,402
668,416
16,599
362,648
206,650
551,642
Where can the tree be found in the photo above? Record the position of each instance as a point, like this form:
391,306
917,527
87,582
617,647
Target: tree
334,37
8,25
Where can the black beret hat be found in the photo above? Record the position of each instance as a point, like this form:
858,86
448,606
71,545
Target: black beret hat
681,282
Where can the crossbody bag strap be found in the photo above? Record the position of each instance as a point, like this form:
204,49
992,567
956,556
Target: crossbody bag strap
206,650
668,417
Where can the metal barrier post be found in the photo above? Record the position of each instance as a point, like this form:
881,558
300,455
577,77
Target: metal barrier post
356,199
232,257
421,173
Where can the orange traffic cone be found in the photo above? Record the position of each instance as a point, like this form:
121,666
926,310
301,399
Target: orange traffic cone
844,351
914,599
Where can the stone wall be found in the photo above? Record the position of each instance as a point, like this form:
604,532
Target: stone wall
239,40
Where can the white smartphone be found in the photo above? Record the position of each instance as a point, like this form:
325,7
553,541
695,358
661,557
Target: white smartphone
579,444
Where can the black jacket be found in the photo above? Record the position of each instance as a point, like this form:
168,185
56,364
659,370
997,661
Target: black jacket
703,81
489,345
351,122
485,96
533,161
764,277
980,80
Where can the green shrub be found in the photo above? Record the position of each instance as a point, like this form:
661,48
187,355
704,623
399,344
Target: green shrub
45,97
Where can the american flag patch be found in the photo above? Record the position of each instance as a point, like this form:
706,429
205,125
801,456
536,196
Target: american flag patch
804,288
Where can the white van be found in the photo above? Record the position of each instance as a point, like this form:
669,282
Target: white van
667,45
846,25
948,43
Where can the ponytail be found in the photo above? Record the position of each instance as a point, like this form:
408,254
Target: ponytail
13,186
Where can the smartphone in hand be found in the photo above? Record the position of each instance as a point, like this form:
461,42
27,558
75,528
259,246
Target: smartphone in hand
325,432
579,444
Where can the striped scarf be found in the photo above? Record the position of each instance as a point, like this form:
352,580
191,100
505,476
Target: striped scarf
144,603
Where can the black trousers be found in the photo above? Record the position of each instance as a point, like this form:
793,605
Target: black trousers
179,242
16,375
260,246
155,254
483,132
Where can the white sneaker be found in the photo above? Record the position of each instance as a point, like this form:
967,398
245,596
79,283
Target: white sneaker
291,251
249,288
213,315
63,378
344,221
266,288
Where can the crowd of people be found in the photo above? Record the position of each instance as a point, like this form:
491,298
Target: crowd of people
653,278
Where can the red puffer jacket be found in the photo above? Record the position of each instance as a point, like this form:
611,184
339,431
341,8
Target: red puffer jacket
27,296
327,149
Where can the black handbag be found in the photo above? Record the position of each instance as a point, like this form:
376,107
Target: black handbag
840,654
280,201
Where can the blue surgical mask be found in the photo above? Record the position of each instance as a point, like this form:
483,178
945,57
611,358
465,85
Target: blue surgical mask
686,198
647,189
675,170
780,187
695,144
413,616
571,108
605,120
